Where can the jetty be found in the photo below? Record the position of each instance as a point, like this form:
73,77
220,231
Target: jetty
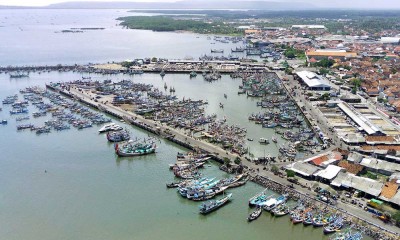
157,128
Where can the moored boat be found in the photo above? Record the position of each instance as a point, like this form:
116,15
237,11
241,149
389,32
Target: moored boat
255,214
131,149
214,204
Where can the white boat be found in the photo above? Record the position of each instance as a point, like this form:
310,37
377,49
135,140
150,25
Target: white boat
110,127
263,141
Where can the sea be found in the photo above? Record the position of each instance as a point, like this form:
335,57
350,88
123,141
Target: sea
70,185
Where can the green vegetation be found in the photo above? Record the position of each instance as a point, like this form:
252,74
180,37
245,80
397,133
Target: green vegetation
396,218
335,21
168,23
291,53
290,173
371,175
325,63
237,161
227,162
274,169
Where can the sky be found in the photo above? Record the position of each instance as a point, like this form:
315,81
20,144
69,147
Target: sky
386,4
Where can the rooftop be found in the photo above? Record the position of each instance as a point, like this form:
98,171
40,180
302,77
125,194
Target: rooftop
312,79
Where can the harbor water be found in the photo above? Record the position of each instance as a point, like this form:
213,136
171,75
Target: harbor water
71,185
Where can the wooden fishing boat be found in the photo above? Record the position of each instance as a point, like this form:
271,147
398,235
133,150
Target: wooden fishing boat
135,149
255,214
214,204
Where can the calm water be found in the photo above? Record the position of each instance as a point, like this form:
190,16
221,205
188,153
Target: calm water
28,37
89,193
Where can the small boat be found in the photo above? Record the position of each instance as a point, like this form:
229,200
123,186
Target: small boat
193,74
250,139
255,214
274,139
308,220
259,199
263,141
225,96
3,122
118,136
217,50
214,204
110,127
162,73
281,211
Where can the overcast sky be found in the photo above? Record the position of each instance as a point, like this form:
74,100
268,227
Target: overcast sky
386,4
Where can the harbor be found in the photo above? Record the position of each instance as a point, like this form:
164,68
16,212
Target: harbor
122,138
164,131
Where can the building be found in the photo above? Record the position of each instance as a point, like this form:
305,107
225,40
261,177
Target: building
364,124
365,185
328,173
313,81
390,40
308,27
333,54
303,169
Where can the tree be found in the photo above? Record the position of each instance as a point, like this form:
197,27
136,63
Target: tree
227,162
356,83
323,71
290,173
290,54
154,59
274,169
396,218
238,161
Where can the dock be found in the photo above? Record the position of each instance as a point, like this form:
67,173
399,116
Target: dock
151,126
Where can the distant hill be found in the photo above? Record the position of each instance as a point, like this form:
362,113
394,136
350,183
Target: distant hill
198,4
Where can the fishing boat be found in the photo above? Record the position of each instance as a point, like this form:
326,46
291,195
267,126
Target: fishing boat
118,136
282,210
217,50
348,234
273,203
263,141
132,149
238,49
318,221
18,111
18,75
308,220
296,218
334,226
214,204
110,127
193,74
259,199
255,214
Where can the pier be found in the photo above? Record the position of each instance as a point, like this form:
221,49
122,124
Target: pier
154,127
